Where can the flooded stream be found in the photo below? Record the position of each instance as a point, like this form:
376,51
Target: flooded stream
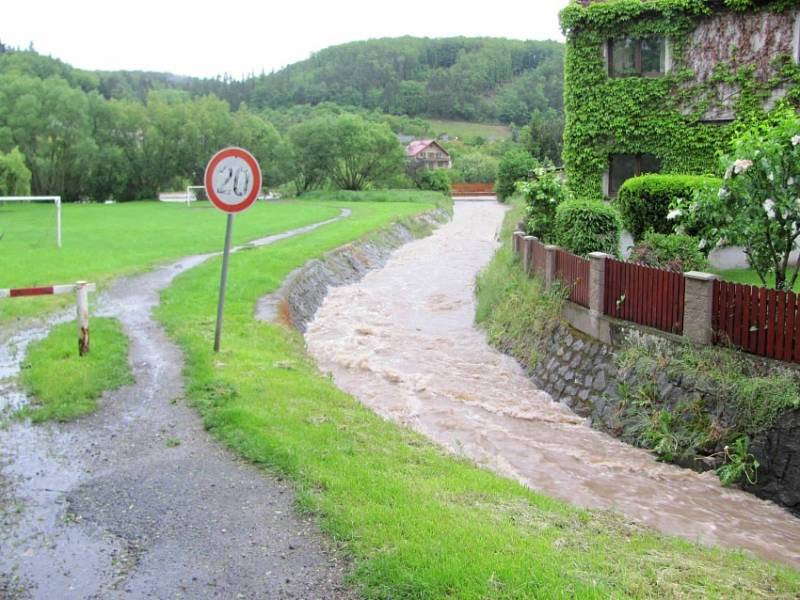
402,340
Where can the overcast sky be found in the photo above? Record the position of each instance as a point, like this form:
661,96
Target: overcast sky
240,37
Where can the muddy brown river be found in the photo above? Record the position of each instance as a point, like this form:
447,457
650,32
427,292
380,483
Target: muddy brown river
403,341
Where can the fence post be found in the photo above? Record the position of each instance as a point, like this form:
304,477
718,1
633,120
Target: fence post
516,241
597,282
527,252
698,302
82,294
550,265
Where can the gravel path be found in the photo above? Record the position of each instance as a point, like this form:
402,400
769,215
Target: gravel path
137,500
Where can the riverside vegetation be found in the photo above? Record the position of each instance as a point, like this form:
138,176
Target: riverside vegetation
734,399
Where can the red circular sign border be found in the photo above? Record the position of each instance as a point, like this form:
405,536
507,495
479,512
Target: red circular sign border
207,180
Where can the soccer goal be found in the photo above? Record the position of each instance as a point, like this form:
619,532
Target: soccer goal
54,199
195,193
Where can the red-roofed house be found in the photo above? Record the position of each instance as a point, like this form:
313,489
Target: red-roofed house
428,154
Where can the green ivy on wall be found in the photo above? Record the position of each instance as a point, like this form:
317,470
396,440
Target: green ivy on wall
645,115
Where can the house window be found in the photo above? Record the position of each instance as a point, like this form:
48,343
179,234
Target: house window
646,57
622,167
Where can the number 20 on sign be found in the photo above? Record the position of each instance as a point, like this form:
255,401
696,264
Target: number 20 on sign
232,182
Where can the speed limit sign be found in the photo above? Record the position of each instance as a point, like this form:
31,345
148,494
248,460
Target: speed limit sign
233,180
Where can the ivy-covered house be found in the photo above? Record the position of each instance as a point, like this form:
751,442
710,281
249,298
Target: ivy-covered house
660,85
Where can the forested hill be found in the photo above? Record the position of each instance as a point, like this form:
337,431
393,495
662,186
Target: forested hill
473,79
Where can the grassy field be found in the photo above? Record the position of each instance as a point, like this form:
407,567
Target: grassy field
64,386
102,242
466,130
418,523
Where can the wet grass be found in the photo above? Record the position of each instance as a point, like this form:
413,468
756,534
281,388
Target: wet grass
516,311
102,242
468,130
64,386
419,523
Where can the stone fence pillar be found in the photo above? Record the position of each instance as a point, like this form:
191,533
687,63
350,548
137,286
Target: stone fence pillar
527,252
516,241
597,281
550,266
698,300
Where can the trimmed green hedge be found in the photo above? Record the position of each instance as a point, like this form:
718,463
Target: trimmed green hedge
644,201
584,226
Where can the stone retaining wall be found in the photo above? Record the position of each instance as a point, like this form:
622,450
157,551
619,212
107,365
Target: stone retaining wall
585,374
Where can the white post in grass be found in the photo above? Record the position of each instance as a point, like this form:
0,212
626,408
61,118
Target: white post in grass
82,294
58,220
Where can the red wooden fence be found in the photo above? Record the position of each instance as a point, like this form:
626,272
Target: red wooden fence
647,296
757,320
539,257
573,271
473,189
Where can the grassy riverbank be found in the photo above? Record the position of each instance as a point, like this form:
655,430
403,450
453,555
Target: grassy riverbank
102,242
418,522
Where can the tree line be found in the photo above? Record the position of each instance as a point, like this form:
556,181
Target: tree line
129,135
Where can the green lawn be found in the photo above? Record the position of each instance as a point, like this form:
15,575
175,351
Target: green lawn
749,276
466,130
101,242
417,522
63,385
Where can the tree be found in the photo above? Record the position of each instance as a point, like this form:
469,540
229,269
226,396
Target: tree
758,205
543,136
475,167
15,176
513,167
312,146
364,153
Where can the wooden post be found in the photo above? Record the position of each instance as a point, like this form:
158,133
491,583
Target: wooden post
82,294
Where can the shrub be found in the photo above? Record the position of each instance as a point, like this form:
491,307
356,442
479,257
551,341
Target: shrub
436,180
474,167
674,252
15,177
584,226
542,196
644,201
757,207
513,167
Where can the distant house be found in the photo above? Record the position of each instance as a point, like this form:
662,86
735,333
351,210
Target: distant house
428,154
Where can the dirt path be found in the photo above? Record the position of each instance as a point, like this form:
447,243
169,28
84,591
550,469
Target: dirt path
402,340
110,507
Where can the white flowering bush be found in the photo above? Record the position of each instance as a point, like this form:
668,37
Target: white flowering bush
758,205
543,193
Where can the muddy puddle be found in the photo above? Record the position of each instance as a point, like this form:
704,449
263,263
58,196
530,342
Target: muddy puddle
402,340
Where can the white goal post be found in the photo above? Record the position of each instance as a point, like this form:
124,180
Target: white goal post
190,195
55,199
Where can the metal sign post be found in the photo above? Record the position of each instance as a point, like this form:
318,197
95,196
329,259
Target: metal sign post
232,182
223,281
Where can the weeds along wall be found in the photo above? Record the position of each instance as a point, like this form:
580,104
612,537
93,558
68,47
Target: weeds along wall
685,115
